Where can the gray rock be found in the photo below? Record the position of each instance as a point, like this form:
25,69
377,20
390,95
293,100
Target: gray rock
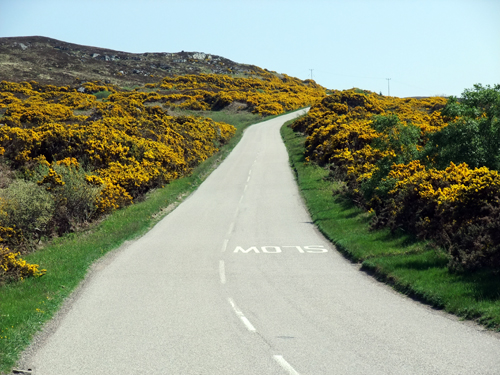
199,56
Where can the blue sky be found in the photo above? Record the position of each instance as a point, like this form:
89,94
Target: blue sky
426,47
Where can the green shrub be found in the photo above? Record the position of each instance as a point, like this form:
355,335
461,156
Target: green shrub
396,136
75,199
473,134
26,207
6,175
476,243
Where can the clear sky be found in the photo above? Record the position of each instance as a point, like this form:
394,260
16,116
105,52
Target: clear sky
426,47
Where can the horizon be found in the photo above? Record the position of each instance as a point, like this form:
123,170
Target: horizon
370,45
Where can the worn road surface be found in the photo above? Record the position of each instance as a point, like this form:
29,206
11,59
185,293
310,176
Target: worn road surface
236,280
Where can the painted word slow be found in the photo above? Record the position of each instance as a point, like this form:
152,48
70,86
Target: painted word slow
315,249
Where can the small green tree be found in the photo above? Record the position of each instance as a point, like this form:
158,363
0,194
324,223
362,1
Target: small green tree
473,134
398,137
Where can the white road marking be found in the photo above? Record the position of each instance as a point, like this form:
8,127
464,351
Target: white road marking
245,188
231,227
313,249
271,249
242,249
222,272
224,245
248,179
240,315
297,247
249,172
241,199
286,366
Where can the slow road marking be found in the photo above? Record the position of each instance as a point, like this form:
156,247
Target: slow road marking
310,249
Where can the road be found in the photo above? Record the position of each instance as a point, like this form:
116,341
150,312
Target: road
237,280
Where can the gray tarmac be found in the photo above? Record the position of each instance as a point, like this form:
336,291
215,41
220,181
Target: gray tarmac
237,280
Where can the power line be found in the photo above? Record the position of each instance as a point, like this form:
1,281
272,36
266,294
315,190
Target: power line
347,75
330,73
407,84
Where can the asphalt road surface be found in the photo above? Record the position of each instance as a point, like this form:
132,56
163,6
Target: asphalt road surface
236,280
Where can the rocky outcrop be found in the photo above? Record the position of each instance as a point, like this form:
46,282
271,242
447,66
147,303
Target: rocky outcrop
55,62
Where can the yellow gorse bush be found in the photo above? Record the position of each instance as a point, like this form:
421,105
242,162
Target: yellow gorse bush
130,147
391,176
456,184
265,93
14,267
340,126
116,145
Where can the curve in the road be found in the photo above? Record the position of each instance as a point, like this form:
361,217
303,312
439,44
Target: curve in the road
237,280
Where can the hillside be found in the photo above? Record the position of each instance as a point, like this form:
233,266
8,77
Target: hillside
85,131
50,61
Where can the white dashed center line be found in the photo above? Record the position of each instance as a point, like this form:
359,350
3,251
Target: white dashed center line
231,227
224,245
222,272
240,315
286,366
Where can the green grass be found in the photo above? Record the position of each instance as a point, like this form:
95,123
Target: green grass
26,306
242,117
102,94
410,266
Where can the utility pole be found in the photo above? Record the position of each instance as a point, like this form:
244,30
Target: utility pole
311,73
388,87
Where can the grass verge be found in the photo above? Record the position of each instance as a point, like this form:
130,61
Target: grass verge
410,266
25,306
